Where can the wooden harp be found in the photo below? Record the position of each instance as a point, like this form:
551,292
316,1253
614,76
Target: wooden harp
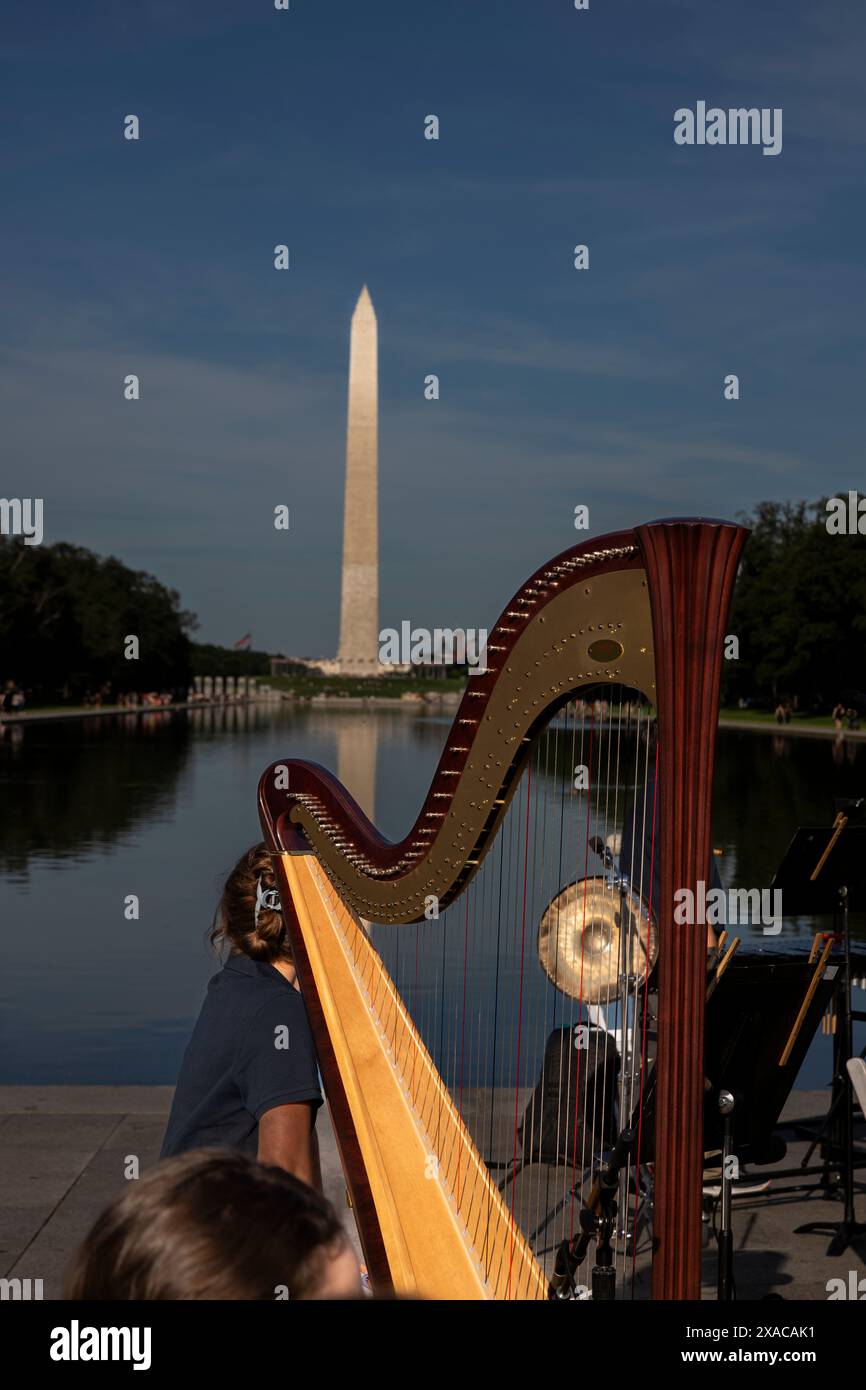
476,1072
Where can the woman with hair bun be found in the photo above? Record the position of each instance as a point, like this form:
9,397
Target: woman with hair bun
249,1080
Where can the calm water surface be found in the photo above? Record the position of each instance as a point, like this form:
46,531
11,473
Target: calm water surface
95,809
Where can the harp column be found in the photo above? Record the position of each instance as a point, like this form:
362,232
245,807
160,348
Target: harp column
691,567
359,599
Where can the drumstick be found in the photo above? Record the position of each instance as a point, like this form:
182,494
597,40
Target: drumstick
723,965
810,994
838,826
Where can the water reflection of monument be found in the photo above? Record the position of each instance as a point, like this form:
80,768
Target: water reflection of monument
389,790
357,748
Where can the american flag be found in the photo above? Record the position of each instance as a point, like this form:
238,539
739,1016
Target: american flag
244,643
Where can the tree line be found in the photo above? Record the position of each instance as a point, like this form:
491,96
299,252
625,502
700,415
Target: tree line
798,612
65,615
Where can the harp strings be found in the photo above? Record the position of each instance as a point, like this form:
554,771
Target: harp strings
633,1023
550,842
645,1013
496,1023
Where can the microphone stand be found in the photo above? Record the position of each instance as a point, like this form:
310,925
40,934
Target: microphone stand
597,1219
845,1232
725,1286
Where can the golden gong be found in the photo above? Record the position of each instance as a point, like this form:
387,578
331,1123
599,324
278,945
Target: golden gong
593,932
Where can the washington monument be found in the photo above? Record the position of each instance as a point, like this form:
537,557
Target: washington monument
359,600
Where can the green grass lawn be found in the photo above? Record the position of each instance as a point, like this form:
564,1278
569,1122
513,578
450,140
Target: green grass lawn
756,716
356,688
385,687
85,709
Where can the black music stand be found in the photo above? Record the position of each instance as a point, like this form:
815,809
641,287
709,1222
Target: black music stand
823,868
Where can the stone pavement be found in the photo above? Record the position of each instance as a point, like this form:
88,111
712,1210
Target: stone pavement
62,1150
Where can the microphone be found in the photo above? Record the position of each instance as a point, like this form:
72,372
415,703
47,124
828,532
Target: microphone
598,847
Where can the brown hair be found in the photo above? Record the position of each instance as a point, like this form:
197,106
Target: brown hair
235,922
209,1224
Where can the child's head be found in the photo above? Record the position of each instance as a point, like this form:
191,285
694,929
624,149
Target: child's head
249,919
214,1224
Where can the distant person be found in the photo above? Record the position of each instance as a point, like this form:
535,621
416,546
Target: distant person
249,1078
838,716
780,713
215,1225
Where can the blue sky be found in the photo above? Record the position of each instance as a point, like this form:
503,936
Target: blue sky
558,387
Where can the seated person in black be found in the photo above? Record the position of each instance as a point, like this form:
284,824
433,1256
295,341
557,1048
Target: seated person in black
249,1080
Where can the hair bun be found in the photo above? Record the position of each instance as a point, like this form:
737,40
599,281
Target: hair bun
247,923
